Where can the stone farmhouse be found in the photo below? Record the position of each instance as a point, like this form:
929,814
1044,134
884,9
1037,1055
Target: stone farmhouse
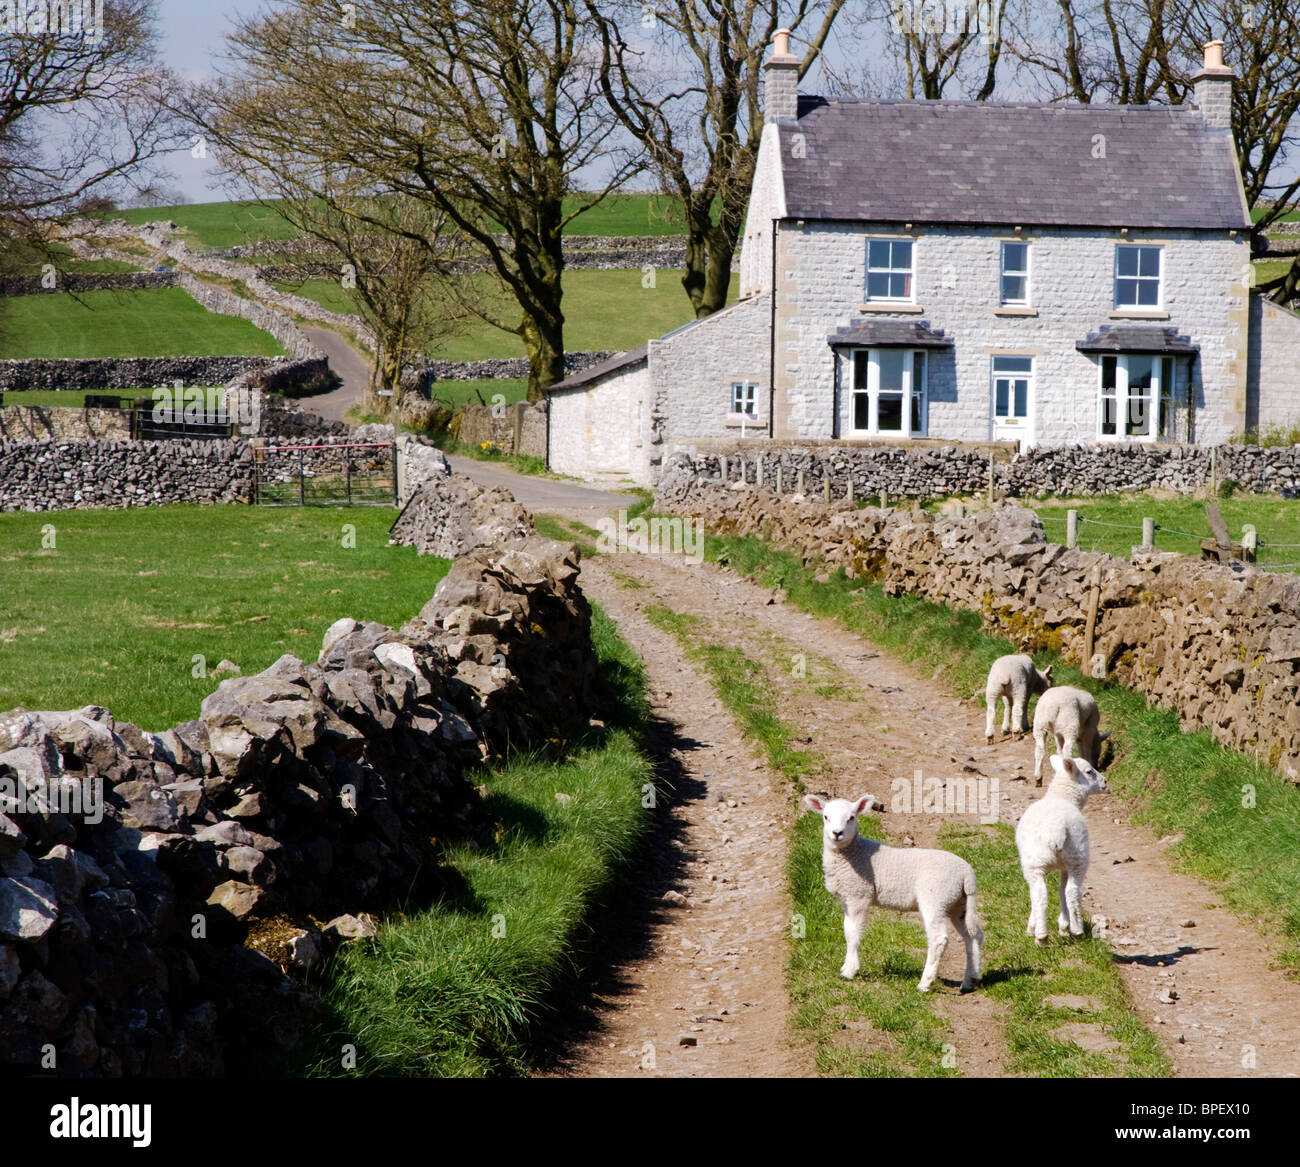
1042,274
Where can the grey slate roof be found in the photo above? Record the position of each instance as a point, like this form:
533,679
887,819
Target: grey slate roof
1008,163
1136,338
887,333
612,364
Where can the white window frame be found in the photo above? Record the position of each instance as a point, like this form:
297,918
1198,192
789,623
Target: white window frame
909,272
1026,274
1158,278
749,391
1161,398
915,399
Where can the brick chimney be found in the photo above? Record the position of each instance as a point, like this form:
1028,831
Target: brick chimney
781,83
1214,88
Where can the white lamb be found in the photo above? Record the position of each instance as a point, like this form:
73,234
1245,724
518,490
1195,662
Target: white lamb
1065,722
1052,835
1015,680
860,873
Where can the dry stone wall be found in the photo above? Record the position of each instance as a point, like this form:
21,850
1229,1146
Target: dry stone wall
1219,645
929,471
516,429
163,896
32,423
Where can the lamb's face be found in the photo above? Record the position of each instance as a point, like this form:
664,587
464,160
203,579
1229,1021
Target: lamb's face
839,818
1081,772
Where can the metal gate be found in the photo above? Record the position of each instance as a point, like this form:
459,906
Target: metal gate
344,474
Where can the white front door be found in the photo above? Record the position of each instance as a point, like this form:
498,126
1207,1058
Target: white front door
1013,400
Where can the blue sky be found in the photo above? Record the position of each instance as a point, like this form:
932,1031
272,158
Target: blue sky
194,32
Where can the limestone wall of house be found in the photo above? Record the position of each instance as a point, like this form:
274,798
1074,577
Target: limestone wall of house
766,202
603,429
822,273
1275,364
692,372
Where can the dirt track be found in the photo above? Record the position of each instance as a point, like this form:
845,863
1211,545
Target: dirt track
711,968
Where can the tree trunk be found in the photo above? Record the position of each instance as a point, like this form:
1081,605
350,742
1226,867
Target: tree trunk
544,343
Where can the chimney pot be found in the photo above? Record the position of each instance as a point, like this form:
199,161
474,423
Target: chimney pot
781,43
1214,55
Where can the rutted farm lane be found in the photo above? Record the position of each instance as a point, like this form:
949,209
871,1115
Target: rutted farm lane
1199,977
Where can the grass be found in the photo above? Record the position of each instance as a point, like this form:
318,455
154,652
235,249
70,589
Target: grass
64,398
1272,435
229,224
459,989
603,310
904,1034
454,394
116,611
1180,523
163,322
1177,782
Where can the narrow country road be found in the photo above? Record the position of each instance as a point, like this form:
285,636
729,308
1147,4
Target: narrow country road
350,365
543,496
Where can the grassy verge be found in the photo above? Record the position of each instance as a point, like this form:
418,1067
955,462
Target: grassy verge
115,612
161,322
458,989
1240,821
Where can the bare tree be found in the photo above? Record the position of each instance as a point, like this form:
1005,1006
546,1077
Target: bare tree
1115,51
83,111
487,111
684,78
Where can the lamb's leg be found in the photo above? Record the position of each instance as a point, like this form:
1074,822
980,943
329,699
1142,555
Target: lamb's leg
991,712
1006,713
1037,905
936,937
1018,715
1074,898
1039,752
972,940
1063,916
855,920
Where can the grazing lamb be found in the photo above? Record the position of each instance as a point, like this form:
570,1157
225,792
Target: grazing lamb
860,872
1015,680
1068,717
1052,835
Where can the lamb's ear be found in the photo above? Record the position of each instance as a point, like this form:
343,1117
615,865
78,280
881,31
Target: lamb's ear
864,804
814,803
1063,766
1047,674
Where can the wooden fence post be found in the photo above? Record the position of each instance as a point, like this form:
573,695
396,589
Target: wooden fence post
778,478
826,488
722,462
758,474
1090,627
990,479
849,491
1148,532
1249,542
1072,528
799,481
884,499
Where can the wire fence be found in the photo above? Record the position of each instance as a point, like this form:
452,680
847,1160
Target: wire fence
1250,554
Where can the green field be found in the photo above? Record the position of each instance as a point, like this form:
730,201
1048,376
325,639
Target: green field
1180,523
69,398
164,322
116,612
230,224
603,310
